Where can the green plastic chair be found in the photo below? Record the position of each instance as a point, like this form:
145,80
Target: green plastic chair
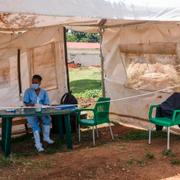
100,116
164,121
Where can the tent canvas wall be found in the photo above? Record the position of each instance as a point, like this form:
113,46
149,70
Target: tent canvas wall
140,42
140,59
41,52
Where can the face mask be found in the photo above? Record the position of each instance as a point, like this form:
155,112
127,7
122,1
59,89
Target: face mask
35,86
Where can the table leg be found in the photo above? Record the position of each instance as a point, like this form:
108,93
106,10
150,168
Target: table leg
68,131
60,127
6,135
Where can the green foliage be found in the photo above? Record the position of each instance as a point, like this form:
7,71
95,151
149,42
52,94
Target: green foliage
5,162
12,160
71,38
149,156
95,93
74,36
141,162
81,87
175,162
168,153
85,82
130,161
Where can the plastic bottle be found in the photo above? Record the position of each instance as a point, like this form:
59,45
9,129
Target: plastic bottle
21,103
38,105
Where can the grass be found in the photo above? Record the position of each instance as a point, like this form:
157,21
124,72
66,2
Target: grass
5,162
168,153
85,82
19,160
130,161
149,156
23,157
141,135
141,162
13,160
43,164
175,162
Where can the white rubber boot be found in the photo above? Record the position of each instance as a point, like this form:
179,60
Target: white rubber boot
46,134
37,140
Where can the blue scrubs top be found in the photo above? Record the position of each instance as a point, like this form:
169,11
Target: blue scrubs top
31,97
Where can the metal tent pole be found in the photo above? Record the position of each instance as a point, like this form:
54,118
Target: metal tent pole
66,60
19,70
101,30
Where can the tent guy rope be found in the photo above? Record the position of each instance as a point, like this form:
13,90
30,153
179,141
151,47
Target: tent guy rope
113,100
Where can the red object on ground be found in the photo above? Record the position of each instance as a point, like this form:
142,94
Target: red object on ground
73,65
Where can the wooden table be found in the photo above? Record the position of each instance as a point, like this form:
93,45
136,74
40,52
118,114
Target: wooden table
7,118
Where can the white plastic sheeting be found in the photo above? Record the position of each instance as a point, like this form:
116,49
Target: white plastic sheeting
110,9
141,54
140,59
17,21
33,45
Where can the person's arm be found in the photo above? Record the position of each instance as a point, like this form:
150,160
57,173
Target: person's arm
26,99
46,99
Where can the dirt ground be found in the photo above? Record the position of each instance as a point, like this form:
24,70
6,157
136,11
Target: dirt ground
122,158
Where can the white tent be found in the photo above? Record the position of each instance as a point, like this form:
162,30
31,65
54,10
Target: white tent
109,9
140,47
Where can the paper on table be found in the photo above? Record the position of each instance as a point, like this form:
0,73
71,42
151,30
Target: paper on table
45,106
11,110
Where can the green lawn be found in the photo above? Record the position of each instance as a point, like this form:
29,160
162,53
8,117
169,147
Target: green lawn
85,82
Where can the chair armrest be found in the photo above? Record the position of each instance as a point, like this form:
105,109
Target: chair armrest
151,110
175,112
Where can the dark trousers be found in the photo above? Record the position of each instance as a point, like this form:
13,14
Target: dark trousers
162,113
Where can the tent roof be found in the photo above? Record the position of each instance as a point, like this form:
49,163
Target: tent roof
110,9
16,21
84,15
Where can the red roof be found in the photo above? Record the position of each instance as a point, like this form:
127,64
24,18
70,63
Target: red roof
83,45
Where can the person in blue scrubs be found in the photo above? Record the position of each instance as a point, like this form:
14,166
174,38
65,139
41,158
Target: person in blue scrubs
35,96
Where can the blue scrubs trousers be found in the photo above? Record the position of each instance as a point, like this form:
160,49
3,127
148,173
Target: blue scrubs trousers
33,121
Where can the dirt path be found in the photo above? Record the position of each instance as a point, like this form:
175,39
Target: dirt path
121,159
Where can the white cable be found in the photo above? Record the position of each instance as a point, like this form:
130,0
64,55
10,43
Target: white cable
141,95
113,100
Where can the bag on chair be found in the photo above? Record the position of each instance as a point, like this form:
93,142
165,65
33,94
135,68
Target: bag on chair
67,98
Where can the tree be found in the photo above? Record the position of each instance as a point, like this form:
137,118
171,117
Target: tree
75,36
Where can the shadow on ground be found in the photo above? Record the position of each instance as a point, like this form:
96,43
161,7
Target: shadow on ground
127,157
24,145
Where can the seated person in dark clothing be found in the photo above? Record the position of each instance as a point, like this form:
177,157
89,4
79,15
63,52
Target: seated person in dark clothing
167,107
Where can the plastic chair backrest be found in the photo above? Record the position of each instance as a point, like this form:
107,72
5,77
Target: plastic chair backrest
102,110
177,119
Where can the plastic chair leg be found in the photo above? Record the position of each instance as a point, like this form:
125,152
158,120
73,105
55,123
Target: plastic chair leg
97,132
149,140
93,134
111,132
79,133
168,138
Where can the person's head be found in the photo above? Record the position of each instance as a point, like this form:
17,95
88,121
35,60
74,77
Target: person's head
36,81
